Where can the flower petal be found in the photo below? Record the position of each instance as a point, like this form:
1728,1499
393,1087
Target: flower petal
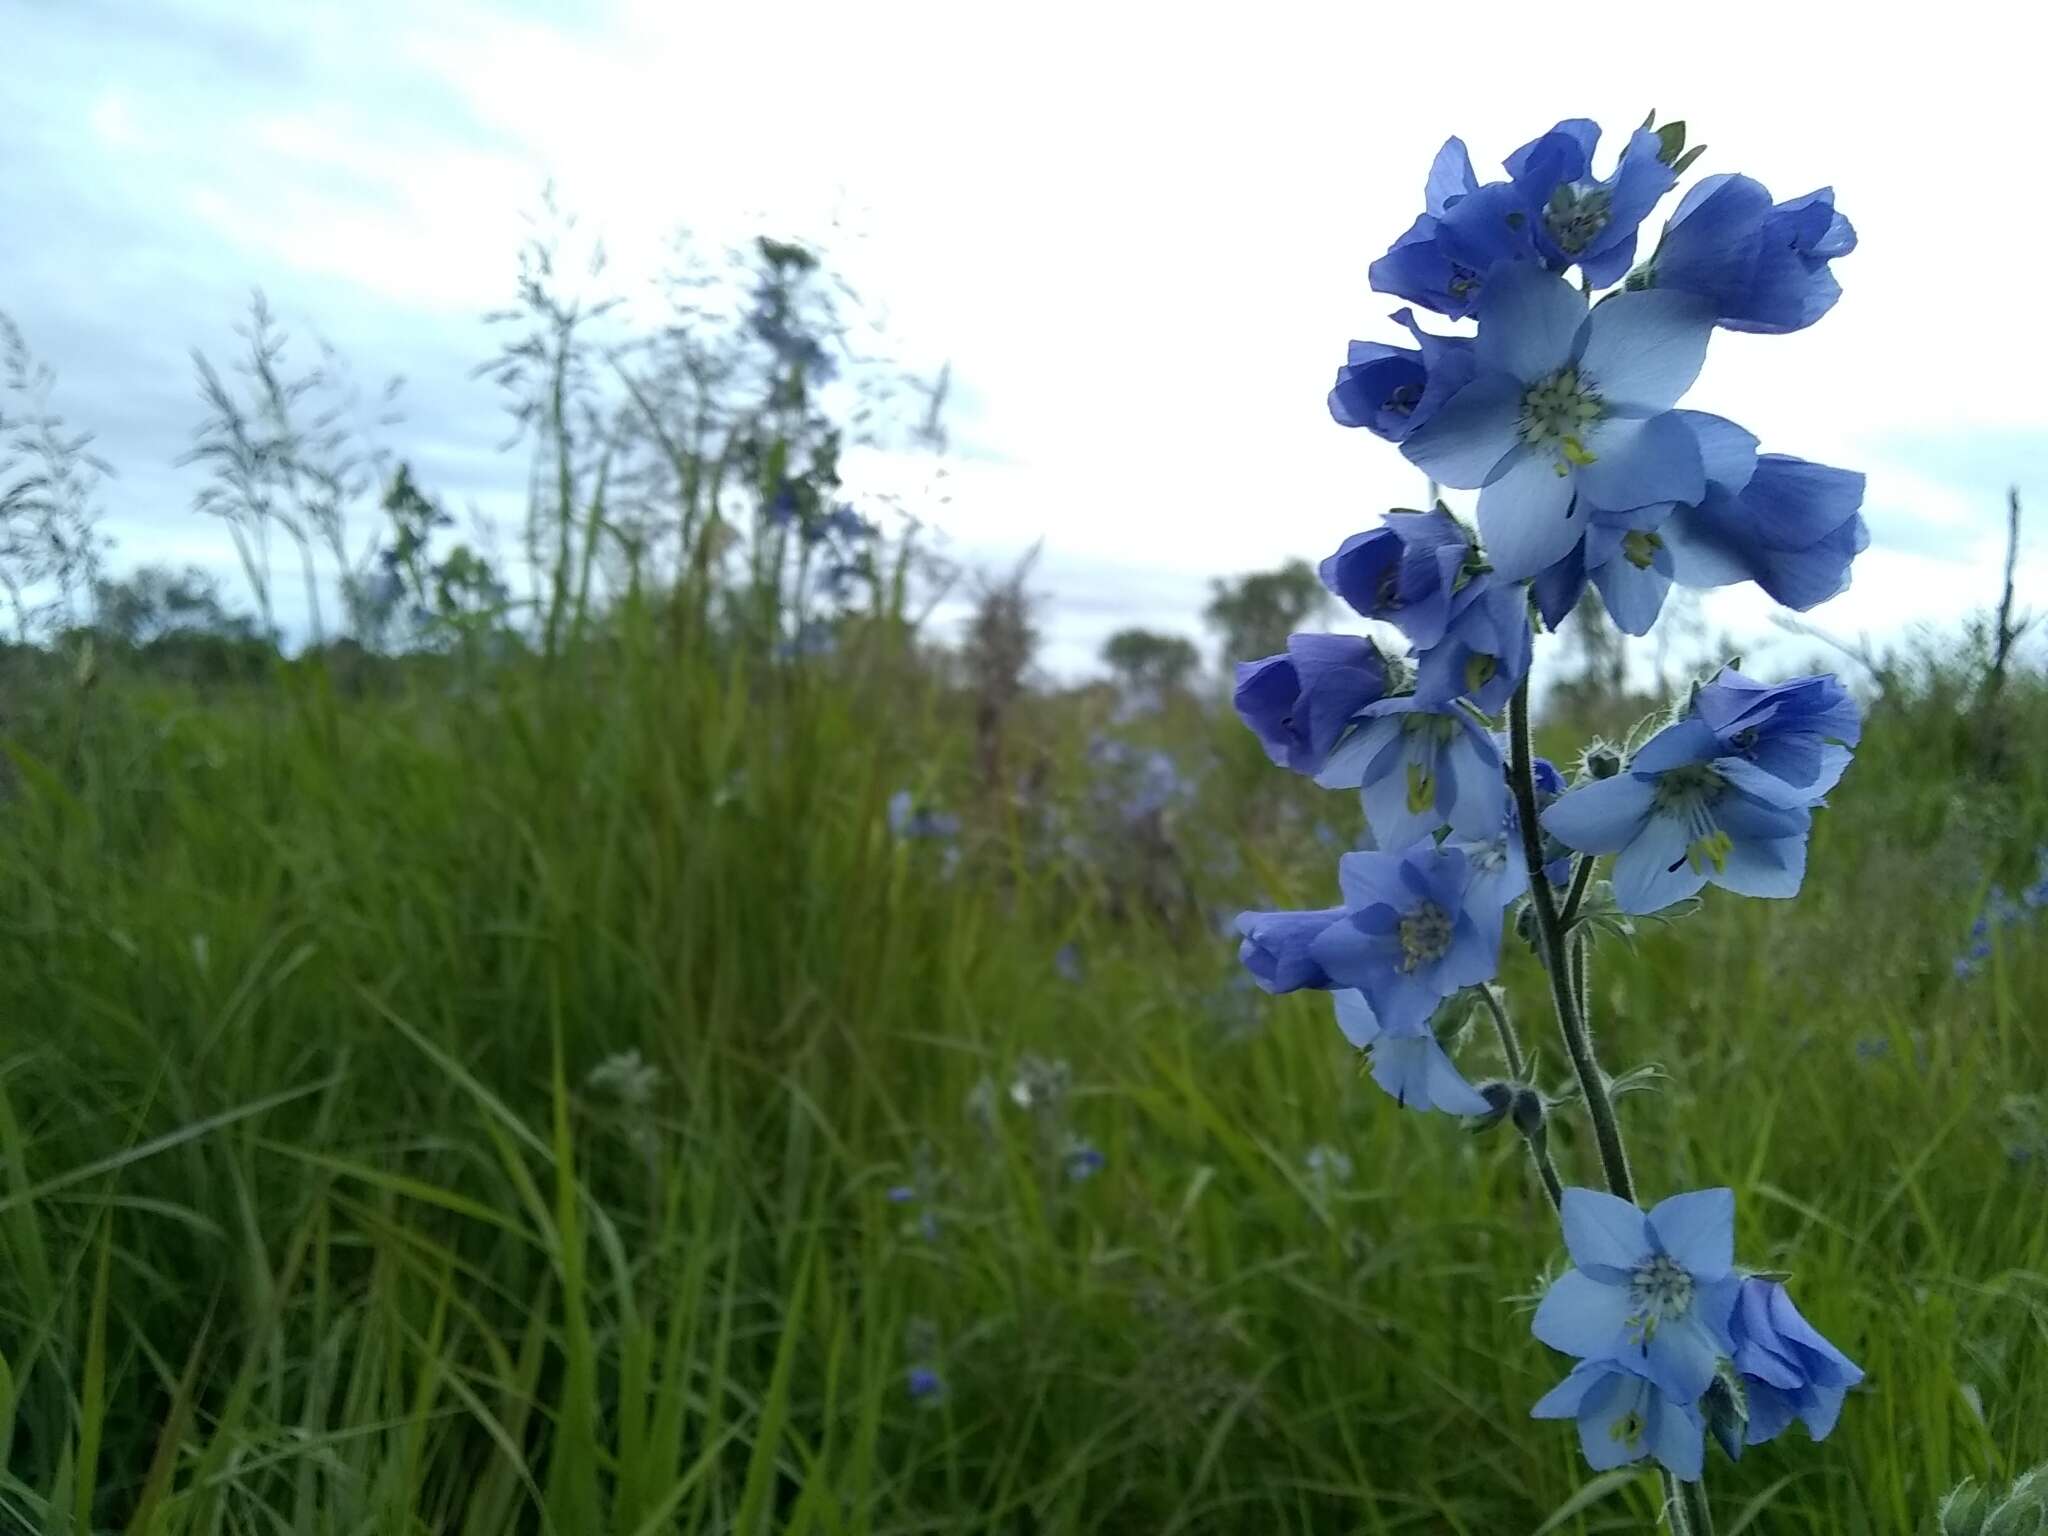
1677,1439
1463,444
1603,1231
1525,517
1562,1401
1698,1229
1680,1356
1653,871
1603,816
1584,1317
1643,350
1528,321
1772,869
1637,462
1355,1017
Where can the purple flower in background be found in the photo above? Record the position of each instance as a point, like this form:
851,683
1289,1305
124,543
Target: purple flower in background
907,820
1066,960
1763,266
1082,1161
923,1383
1301,702
1390,391
1624,1417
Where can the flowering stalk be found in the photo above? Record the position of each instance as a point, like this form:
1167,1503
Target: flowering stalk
1551,936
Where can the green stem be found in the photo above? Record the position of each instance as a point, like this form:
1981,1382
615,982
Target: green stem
1699,1516
1582,876
1550,934
1510,1042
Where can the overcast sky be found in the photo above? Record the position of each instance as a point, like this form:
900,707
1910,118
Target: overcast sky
1139,235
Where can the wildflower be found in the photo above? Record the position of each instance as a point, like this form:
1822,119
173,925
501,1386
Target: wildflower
1791,526
1423,266
1276,948
1723,796
1762,266
1788,1370
1419,768
1082,1161
1499,860
1416,927
1484,653
1627,558
844,523
924,1384
1411,1066
1390,391
1325,1162
1624,1417
901,1194
907,820
1299,703
1405,572
1568,411
1067,961
1040,1085
1652,1292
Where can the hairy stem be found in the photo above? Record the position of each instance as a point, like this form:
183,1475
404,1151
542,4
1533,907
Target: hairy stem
1578,1043
1510,1042
1699,1517
1582,876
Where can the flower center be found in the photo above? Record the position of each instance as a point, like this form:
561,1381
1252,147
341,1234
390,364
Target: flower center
1554,414
1661,1290
1640,548
1427,736
1690,792
1403,400
1574,217
1425,935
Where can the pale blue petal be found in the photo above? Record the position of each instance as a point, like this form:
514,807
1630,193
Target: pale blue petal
1677,1439
1369,879
1355,1017
1643,350
1771,869
1727,452
1583,1317
1603,1232
1653,872
1698,1230
1680,1356
1603,816
1636,463
1464,443
1821,1407
1528,321
1761,784
1347,762
1525,518
1416,1074
1600,1417
1688,741
1562,1401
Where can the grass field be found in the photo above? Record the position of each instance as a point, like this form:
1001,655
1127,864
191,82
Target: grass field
320,1211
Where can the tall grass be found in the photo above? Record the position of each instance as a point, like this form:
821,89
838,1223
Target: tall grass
313,1218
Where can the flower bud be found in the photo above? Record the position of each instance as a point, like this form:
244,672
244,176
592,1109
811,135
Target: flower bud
1500,1102
1602,761
1527,1112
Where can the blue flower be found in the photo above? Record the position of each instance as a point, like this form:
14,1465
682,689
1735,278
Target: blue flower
1625,557
1066,960
1276,948
1499,860
1554,202
1416,927
845,523
922,1382
1301,702
1568,412
907,820
1791,526
1413,1068
1762,266
1788,1370
1484,653
1652,1292
1424,265
1390,391
1624,1416
1407,572
1418,769
902,1194
1082,1161
1725,795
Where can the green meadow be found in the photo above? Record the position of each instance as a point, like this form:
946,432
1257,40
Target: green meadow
321,1211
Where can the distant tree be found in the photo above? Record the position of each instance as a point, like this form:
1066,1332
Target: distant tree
1148,662
156,602
1255,614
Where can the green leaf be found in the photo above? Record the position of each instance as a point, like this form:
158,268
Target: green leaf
1671,141
1684,162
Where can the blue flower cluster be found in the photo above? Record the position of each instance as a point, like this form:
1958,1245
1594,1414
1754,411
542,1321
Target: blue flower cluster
1671,1337
2002,910
1563,411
